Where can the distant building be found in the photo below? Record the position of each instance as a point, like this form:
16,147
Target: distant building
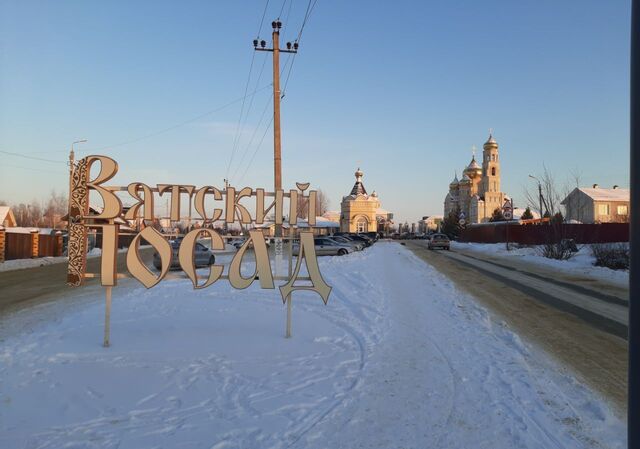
478,193
597,205
359,210
7,219
429,223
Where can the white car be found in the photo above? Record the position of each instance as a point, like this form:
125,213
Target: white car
325,246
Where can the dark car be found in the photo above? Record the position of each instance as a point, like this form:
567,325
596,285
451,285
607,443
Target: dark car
357,237
202,256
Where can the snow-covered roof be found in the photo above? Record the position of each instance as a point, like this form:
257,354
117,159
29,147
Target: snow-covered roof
600,194
321,222
7,215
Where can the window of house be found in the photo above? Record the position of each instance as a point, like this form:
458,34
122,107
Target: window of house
622,210
603,209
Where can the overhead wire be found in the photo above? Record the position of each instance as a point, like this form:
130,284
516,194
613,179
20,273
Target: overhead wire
240,126
32,157
170,128
310,7
307,14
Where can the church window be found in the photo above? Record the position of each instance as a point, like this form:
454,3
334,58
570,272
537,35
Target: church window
493,171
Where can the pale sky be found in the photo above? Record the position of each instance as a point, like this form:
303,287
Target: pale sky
401,89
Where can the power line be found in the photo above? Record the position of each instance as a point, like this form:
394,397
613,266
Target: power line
170,128
289,59
61,171
255,131
32,157
262,20
246,116
307,14
256,150
235,138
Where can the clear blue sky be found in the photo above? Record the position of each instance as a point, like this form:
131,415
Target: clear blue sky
403,89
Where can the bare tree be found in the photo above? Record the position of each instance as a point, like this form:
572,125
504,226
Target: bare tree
322,204
545,194
575,205
55,208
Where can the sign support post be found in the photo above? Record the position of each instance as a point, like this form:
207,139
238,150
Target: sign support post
107,316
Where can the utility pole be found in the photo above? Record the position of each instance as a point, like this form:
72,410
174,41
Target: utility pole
277,151
226,189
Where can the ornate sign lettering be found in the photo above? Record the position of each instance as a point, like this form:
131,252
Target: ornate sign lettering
231,206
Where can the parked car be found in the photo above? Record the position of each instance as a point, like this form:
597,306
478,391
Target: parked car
202,256
325,246
439,241
240,241
358,237
357,245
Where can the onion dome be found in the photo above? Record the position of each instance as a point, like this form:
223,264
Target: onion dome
374,194
491,142
473,170
465,179
454,184
358,187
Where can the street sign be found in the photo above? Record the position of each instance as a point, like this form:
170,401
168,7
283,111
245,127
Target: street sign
462,222
507,210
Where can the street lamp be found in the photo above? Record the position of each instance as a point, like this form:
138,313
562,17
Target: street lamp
539,193
72,154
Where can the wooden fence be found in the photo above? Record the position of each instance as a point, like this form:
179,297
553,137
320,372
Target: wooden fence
16,245
540,234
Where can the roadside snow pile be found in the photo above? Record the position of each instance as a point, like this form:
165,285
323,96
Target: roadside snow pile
581,263
19,264
398,358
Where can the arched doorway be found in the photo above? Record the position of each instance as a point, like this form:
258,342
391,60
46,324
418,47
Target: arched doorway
362,225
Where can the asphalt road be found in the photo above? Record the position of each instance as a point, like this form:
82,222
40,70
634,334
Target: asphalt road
33,286
582,325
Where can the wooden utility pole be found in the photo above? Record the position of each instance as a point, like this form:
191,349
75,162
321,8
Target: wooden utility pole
277,142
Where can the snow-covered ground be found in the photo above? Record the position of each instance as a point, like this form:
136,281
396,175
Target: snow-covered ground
398,359
581,263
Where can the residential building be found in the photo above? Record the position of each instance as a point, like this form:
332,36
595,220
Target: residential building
597,205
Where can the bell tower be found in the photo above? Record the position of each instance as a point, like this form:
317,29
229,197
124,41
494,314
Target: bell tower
490,167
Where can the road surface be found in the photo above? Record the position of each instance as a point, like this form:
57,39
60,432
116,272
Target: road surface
583,327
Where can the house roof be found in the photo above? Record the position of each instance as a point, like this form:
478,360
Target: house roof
600,194
321,222
7,214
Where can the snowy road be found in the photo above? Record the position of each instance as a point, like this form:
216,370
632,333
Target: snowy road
398,359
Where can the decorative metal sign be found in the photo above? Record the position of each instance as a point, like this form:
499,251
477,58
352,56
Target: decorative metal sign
80,220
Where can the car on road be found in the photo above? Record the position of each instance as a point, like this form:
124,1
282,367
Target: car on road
202,256
325,246
439,241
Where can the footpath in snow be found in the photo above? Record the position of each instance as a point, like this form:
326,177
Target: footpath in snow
398,359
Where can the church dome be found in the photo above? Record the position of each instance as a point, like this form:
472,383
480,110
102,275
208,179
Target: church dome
374,194
359,173
491,142
473,169
465,179
453,184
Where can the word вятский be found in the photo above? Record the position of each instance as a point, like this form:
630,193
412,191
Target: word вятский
80,220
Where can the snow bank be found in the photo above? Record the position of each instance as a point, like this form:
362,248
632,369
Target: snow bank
398,358
581,263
